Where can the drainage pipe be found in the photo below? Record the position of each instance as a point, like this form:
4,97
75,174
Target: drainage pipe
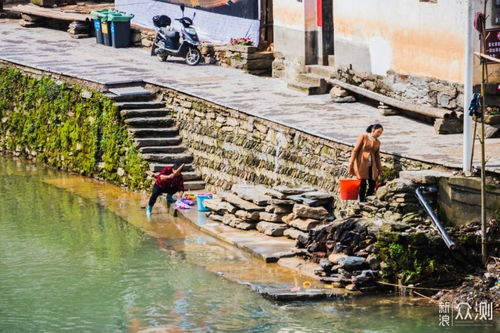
428,208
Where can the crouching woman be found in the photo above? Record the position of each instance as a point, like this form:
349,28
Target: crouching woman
170,181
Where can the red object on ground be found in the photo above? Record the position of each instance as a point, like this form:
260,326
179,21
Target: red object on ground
349,189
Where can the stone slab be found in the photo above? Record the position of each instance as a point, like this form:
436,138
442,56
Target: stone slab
309,202
279,209
271,217
271,229
299,223
217,205
240,203
247,216
275,194
294,233
424,176
253,193
317,213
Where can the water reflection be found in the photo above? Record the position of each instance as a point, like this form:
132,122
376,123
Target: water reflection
91,262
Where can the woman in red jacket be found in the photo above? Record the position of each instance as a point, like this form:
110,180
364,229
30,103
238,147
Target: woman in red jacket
365,160
169,181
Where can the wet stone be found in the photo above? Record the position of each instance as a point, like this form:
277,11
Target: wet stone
351,263
219,206
216,217
271,229
317,213
294,233
247,216
334,257
318,195
253,193
299,223
271,217
240,203
282,202
309,202
279,209
235,222
293,190
275,194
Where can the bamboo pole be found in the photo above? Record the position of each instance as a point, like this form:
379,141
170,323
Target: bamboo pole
484,250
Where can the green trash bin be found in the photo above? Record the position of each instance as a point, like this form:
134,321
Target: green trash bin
97,17
120,28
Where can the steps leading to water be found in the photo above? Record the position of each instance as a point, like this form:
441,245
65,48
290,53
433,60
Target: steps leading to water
152,128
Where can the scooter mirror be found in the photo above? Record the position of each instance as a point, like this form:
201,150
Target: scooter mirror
182,8
194,15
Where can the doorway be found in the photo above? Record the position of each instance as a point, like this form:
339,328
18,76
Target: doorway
325,18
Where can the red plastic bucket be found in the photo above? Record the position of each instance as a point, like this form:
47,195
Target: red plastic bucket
349,189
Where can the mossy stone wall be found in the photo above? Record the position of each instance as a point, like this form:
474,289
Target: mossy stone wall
69,127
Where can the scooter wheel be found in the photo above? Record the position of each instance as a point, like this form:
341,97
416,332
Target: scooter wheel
193,57
162,57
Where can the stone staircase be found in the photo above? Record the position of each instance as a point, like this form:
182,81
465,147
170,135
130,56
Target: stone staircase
313,82
154,131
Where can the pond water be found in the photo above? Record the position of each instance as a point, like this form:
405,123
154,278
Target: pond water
78,255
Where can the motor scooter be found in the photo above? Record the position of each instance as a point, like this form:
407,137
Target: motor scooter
170,42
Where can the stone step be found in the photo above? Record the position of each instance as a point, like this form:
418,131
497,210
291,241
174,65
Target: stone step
157,167
192,185
123,83
139,105
168,158
162,149
132,97
150,122
153,142
323,71
139,113
130,93
191,176
311,79
154,132
308,89
188,175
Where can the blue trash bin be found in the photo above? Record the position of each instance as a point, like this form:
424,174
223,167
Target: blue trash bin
199,200
98,32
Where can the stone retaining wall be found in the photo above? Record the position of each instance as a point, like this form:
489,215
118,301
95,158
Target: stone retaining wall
231,147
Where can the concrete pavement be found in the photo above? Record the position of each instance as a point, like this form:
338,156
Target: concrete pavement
268,98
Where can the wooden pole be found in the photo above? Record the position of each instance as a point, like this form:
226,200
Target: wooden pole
484,250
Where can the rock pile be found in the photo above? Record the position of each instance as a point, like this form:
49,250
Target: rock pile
340,95
280,211
345,250
482,289
395,202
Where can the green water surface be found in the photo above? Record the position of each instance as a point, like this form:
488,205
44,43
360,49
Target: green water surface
68,264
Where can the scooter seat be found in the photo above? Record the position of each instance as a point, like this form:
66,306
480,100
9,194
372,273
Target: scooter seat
172,34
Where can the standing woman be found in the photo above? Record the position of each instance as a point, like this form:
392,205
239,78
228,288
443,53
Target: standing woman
365,160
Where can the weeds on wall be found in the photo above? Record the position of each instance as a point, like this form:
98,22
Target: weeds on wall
68,127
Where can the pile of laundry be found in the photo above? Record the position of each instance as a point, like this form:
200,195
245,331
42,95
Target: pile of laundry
185,203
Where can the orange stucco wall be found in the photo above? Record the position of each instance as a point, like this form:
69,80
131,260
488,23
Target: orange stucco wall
406,36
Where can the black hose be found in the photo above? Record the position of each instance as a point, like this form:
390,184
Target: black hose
444,235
